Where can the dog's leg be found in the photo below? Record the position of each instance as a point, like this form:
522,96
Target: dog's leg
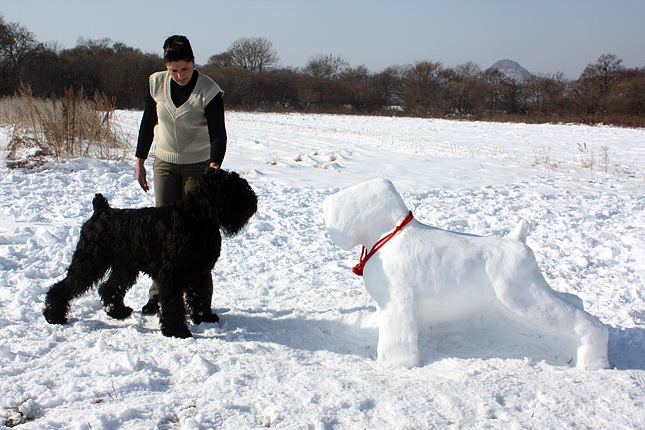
172,311
57,303
113,291
84,271
198,296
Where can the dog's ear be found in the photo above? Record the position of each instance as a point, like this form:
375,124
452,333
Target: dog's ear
224,197
238,204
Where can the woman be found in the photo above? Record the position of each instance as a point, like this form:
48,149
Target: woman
184,115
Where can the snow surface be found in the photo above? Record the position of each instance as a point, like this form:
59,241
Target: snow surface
296,347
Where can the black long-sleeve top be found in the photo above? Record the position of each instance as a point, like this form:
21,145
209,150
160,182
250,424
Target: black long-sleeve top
214,117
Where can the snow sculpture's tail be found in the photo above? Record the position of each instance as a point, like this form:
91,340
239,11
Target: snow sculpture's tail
520,232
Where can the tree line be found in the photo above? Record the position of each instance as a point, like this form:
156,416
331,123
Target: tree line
250,74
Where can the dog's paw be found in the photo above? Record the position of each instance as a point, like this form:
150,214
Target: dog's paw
118,311
180,332
54,317
210,318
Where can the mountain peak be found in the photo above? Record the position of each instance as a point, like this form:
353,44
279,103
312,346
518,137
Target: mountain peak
511,69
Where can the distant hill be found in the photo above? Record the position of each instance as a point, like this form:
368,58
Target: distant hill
511,69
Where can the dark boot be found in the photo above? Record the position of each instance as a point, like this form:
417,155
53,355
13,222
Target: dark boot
151,308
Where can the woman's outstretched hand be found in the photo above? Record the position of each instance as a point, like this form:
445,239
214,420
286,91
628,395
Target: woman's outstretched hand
141,174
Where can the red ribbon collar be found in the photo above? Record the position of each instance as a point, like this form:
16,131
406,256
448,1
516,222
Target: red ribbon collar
358,269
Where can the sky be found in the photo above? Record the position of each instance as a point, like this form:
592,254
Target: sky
543,36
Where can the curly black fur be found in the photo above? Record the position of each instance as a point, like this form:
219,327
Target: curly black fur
176,245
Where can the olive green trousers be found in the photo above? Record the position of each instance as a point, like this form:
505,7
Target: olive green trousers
171,183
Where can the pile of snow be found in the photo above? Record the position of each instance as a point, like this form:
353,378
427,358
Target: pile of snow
296,346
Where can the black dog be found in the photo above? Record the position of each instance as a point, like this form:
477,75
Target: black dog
176,245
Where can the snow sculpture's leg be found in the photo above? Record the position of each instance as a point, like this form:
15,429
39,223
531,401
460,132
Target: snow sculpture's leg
526,294
592,354
398,343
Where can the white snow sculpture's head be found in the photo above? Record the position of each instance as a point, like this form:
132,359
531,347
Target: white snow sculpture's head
360,214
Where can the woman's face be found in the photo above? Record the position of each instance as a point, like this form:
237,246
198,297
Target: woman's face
181,71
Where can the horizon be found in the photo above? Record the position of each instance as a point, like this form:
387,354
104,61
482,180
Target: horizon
544,37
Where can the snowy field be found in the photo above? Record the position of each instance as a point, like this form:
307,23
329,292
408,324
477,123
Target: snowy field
296,344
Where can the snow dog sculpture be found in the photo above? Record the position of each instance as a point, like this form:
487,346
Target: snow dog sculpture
426,275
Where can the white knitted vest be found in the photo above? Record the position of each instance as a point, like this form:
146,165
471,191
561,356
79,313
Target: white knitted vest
181,133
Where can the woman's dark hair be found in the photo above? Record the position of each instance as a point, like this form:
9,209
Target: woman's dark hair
177,48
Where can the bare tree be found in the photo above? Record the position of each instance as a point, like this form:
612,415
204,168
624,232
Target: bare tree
16,43
468,70
596,81
465,91
627,94
326,66
390,83
236,81
423,83
221,61
255,54
545,92
604,72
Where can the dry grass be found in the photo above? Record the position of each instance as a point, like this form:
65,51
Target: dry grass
71,126
20,414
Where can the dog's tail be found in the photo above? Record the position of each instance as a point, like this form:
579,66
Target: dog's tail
100,203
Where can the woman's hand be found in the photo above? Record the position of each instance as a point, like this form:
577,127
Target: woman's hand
141,174
215,165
